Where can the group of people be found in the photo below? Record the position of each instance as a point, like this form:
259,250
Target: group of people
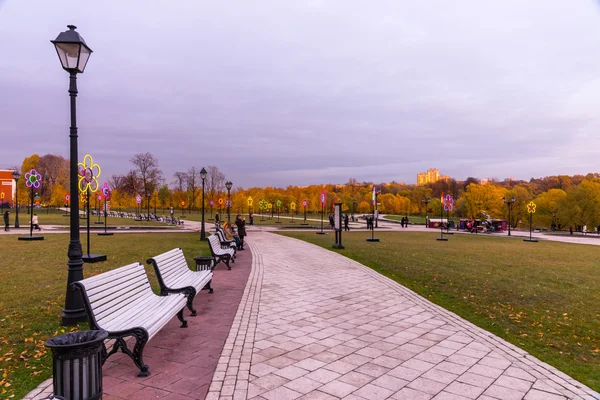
34,222
370,222
238,234
345,218
404,222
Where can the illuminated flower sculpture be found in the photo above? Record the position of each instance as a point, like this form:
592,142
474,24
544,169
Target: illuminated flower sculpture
106,191
88,174
448,203
33,179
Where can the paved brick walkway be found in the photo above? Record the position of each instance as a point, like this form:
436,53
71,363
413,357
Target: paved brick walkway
315,325
181,361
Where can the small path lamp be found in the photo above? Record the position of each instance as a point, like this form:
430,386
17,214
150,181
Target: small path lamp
16,175
33,180
426,201
374,194
203,174
89,172
293,209
531,210
278,204
73,54
106,193
322,210
228,185
509,203
304,205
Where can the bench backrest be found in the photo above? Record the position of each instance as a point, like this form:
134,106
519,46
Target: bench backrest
169,266
107,293
215,245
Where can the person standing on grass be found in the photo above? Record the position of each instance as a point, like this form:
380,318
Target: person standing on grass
346,228
6,221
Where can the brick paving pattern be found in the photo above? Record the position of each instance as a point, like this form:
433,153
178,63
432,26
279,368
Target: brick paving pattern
315,325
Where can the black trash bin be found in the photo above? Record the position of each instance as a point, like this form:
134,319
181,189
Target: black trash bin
77,364
203,263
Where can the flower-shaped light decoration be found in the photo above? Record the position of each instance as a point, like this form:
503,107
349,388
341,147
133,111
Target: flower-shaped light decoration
250,201
138,199
33,179
182,203
448,203
220,201
211,203
88,174
304,203
292,205
531,208
278,203
67,197
227,203
83,197
262,204
106,192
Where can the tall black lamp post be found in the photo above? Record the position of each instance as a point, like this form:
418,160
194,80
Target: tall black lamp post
509,203
73,54
426,201
228,185
16,175
202,230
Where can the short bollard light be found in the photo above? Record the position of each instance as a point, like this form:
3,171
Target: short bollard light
77,364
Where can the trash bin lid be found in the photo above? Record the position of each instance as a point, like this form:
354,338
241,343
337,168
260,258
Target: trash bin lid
76,339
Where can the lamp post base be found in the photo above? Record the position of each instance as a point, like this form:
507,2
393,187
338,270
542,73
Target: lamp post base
442,239
72,317
530,240
338,246
321,233
99,222
31,238
372,240
105,234
93,258
278,222
448,233
304,224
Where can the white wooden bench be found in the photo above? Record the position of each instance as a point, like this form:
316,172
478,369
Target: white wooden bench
226,244
220,254
174,276
122,302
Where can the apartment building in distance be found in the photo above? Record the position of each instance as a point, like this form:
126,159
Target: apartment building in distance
431,176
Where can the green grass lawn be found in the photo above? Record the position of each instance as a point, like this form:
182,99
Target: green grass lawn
56,217
412,219
32,290
285,219
543,297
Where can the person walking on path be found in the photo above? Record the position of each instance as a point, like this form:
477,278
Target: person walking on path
240,222
346,228
35,223
6,221
331,220
217,216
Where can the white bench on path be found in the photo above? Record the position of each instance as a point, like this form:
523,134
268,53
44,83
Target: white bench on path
122,302
220,254
174,276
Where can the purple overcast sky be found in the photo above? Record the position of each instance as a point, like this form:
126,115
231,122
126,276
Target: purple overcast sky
277,92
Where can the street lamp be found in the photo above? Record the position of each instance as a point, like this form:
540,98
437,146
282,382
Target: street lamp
73,54
228,185
202,231
426,201
509,203
16,175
